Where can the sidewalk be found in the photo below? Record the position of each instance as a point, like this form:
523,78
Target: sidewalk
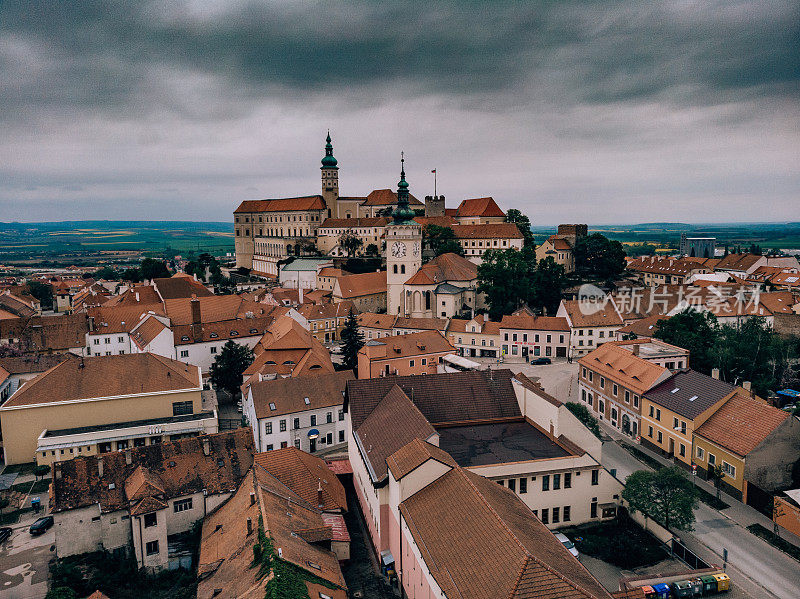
742,514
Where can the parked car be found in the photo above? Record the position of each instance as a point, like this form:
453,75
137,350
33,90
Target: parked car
538,361
336,349
567,543
5,533
41,525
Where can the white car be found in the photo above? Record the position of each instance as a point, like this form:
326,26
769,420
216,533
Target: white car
336,349
567,543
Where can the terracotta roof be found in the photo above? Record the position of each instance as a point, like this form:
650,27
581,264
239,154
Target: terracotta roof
504,552
15,305
368,283
741,424
221,330
47,333
559,243
447,267
376,321
479,207
422,324
288,395
136,295
180,286
387,197
336,223
778,302
606,316
665,265
742,262
394,422
644,327
404,346
690,393
213,309
148,329
439,221
181,467
329,271
119,319
288,349
448,397
622,367
534,323
142,482
306,475
106,376
487,231
786,279
31,364
337,525
322,311
97,595
282,205
412,455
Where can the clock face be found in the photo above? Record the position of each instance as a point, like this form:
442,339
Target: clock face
416,248
398,249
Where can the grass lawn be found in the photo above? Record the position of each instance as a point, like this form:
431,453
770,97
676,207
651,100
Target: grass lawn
13,516
620,542
26,468
32,488
774,540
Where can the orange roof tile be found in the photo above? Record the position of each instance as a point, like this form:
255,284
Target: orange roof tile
479,207
487,231
386,197
621,366
368,283
282,205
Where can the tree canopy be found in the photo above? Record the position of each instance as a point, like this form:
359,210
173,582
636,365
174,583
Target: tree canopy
42,292
153,269
441,240
352,342
350,243
692,330
229,366
598,256
512,277
523,224
667,496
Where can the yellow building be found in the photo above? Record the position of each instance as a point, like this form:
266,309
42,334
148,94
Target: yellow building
673,409
755,443
86,406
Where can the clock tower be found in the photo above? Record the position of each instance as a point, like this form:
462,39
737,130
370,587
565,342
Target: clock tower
403,249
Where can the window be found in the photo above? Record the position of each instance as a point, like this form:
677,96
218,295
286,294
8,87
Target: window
593,510
120,339
568,480
591,374
635,401
660,437
523,485
341,436
729,469
652,411
546,482
268,428
650,431
556,482
512,484
566,512
151,547
282,425
683,450
296,423
341,415
107,340
614,389
627,396
313,420
545,516
150,520
182,505
700,453
658,414
712,459
213,349
425,360
184,353
595,477
602,382
270,447
329,417
674,423
411,363
180,408
120,445
556,515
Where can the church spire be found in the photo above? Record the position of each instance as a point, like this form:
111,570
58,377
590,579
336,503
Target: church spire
403,212
329,161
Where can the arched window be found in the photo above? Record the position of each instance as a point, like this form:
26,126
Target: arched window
395,269
402,269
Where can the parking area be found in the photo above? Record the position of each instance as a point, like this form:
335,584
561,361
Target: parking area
559,379
24,563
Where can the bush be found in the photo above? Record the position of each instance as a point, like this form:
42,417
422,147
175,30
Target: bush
582,413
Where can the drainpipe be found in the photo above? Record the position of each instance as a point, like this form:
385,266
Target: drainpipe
141,540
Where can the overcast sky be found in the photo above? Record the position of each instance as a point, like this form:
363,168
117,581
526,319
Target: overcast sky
598,112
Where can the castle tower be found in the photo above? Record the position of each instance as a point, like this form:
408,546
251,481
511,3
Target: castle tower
403,249
434,206
330,179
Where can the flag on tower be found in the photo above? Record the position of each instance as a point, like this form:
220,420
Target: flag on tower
434,171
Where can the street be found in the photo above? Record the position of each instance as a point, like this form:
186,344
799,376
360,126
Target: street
24,561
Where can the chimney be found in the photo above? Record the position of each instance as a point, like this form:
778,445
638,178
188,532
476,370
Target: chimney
196,319
300,294
747,386
485,317
252,498
128,457
206,446
635,349
320,502
249,526
715,373
57,473
91,324
100,467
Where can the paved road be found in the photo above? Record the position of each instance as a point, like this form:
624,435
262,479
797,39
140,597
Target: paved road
749,557
24,564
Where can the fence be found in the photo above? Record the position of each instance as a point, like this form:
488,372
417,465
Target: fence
686,555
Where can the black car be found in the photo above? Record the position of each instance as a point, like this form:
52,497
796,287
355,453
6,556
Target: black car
41,525
5,533
537,361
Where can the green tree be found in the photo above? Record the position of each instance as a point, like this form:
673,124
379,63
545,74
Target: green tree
61,593
442,240
41,471
350,243
42,292
153,269
523,224
352,342
692,330
716,474
548,281
583,414
667,496
598,256
229,366
106,273
371,250
4,503
506,277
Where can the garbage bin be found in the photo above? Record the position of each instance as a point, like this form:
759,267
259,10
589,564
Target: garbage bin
723,582
36,503
709,584
662,590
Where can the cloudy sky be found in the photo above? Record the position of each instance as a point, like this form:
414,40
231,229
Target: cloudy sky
599,112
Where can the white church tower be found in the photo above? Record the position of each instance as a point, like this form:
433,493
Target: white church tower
403,249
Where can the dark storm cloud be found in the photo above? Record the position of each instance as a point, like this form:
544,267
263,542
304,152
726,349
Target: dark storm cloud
122,100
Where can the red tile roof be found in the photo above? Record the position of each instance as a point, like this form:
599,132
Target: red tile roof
487,231
335,223
282,205
368,283
479,207
447,267
387,197
534,323
288,395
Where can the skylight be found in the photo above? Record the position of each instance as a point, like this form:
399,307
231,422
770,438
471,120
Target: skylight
308,401
692,398
675,390
271,406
